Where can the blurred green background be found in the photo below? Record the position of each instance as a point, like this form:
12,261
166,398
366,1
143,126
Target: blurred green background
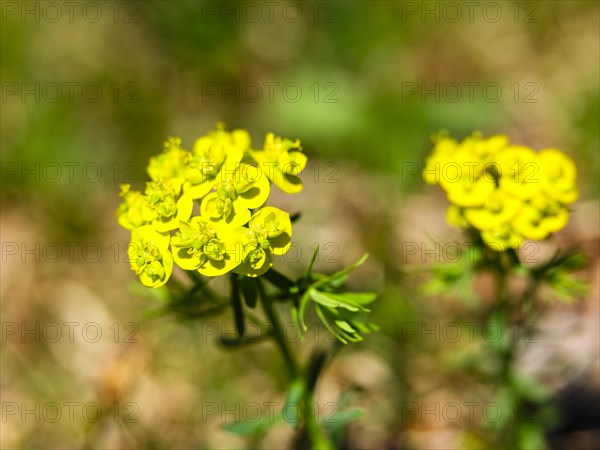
90,90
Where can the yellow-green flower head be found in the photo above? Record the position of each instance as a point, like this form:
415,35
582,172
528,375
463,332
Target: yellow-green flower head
468,161
211,153
498,209
228,180
558,175
135,210
467,193
171,163
269,233
539,217
520,171
163,198
282,160
238,188
486,149
149,256
509,193
463,176
462,169
210,249
455,215
445,147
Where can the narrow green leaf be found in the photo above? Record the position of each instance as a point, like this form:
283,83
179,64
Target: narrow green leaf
338,282
349,323
355,299
360,298
311,263
345,326
350,268
325,300
335,300
329,327
302,310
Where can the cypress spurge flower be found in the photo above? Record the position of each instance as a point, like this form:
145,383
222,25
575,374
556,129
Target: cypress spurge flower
161,206
237,190
212,153
163,198
227,179
149,256
269,233
282,160
170,164
210,249
135,210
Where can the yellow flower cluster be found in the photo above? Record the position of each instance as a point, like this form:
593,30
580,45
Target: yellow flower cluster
509,193
231,230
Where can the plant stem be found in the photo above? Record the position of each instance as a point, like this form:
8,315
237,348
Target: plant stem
317,437
267,304
506,352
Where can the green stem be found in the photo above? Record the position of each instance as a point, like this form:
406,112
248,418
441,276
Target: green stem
507,350
528,299
267,304
317,437
503,308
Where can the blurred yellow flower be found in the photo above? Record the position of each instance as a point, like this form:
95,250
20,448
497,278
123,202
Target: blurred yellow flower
498,208
558,175
519,171
508,193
